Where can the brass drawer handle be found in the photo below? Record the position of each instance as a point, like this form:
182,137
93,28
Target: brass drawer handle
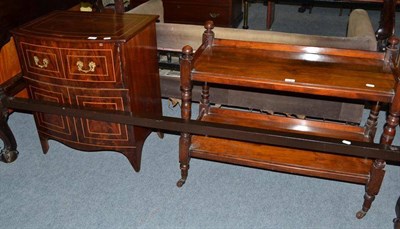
45,62
214,15
92,66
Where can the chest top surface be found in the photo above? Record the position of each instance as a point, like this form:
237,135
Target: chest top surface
86,26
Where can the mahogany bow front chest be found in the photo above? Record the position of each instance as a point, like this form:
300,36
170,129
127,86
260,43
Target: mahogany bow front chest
96,61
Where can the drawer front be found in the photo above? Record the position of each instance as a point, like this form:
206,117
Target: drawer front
197,14
91,65
56,126
98,133
41,60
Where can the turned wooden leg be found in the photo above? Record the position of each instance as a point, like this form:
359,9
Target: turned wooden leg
245,14
9,152
184,140
205,99
119,6
377,170
372,121
270,14
386,23
184,144
389,131
186,111
372,188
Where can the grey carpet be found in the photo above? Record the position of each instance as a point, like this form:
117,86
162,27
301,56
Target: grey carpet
72,189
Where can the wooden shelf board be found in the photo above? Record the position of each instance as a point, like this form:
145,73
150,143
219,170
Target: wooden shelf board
355,77
283,159
286,124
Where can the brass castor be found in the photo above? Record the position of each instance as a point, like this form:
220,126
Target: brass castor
180,182
360,214
8,156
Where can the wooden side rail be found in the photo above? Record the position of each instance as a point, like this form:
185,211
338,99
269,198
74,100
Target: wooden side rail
234,132
248,134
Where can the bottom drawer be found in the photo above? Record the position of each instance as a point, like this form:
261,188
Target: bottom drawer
99,133
197,14
54,126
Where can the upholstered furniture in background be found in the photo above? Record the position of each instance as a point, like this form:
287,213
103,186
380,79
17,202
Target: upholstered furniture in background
360,33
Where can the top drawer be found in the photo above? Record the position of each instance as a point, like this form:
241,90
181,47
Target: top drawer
90,63
41,60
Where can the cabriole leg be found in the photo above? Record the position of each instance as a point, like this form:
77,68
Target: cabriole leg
9,152
396,221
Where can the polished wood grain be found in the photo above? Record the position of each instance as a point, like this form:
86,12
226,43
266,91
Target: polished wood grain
333,74
295,70
9,63
310,163
284,123
265,156
387,22
64,25
93,61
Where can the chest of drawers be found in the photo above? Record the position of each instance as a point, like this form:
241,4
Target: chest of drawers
224,13
96,61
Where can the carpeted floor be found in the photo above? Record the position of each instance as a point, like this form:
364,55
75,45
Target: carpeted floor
72,189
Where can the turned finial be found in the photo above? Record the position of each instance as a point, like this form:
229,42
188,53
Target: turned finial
392,54
208,35
187,50
209,25
393,42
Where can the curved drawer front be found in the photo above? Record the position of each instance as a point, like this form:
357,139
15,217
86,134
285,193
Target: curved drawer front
97,133
56,126
41,60
90,65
